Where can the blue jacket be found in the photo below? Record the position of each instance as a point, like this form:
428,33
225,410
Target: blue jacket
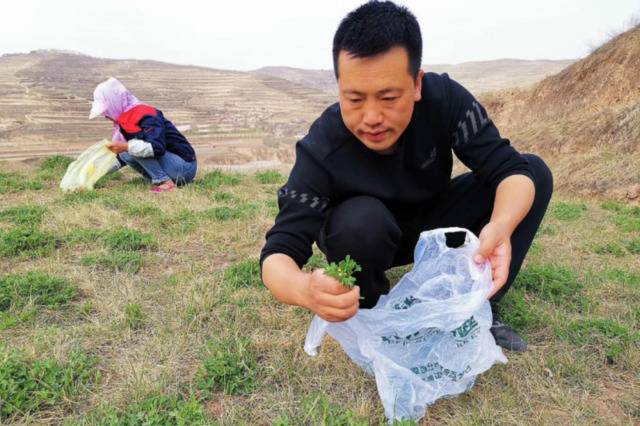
147,123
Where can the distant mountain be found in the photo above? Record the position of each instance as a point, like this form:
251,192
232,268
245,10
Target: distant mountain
478,77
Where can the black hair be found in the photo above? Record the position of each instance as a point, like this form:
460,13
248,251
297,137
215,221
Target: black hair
374,28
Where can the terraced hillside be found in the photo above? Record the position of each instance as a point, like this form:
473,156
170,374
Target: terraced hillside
232,116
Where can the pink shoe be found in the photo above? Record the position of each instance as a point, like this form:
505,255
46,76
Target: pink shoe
164,187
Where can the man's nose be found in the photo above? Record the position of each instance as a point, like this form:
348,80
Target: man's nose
372,116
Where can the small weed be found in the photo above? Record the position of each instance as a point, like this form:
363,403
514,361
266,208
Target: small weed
626,223
128,239
134,316
19,290
613,249
153,410
243,274
24,215
110,177
117,261
317,260
516,311
555,284
30,385
142,210
633,246
228,366
216,178
320,411
567,211
12,182
622,276
57,163
612,206
27,241
270,177
224,196
343,271
79,197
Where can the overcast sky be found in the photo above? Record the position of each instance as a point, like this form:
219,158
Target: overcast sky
244,35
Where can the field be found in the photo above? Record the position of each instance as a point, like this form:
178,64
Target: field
120,306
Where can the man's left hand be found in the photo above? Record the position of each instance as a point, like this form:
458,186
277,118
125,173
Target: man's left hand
117,147
495,245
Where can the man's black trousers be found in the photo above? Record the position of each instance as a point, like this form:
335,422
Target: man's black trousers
378,239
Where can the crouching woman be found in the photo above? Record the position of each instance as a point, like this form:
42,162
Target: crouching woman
143,138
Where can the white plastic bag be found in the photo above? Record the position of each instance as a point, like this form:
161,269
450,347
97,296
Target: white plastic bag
90,166
429,337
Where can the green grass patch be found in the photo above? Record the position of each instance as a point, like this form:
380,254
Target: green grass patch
109,177
13,182
128,239
556,284
83,235
28,386
79,197
318,410
34,288
567,211
270,177
612,206
142,210
57,163
215,179
516,311
228,366
607,334
117,261
27,241
224,213
113,200
243,274
622,276
153,410
224,196
613,249
633,246
134,316
10,319
24,215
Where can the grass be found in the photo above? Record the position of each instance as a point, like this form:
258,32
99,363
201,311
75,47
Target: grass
117,261
34,288
173,312
27,241
228,366
270,177
134,316
153,410
128,239
29,386
24,215
13,182
243,274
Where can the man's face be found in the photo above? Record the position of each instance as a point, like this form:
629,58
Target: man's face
377,96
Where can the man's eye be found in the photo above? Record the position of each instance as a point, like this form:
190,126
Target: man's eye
389,98
355,100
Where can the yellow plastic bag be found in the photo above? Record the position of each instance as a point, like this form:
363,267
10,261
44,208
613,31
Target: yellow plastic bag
90,166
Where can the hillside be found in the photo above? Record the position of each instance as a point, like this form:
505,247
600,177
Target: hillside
479,77
231,116
585,120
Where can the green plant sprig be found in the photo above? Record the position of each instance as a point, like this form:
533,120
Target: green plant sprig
343,271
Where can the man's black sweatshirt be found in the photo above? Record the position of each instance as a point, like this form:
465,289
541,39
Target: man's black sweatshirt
333,165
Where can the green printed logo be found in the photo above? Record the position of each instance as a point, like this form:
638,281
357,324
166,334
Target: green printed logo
406,303
435,371
419,336
466,332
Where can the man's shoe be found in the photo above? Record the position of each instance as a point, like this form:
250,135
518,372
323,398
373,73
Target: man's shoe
507,338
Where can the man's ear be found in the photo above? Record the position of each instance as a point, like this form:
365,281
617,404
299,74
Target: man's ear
417,94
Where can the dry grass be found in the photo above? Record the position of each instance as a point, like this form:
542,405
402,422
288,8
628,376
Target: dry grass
582,366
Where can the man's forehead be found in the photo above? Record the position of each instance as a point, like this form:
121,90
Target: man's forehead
383,72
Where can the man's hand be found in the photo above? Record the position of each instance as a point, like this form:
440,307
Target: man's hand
117,147
329,299
495,245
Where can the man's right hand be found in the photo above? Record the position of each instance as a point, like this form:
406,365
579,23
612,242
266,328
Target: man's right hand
329,299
